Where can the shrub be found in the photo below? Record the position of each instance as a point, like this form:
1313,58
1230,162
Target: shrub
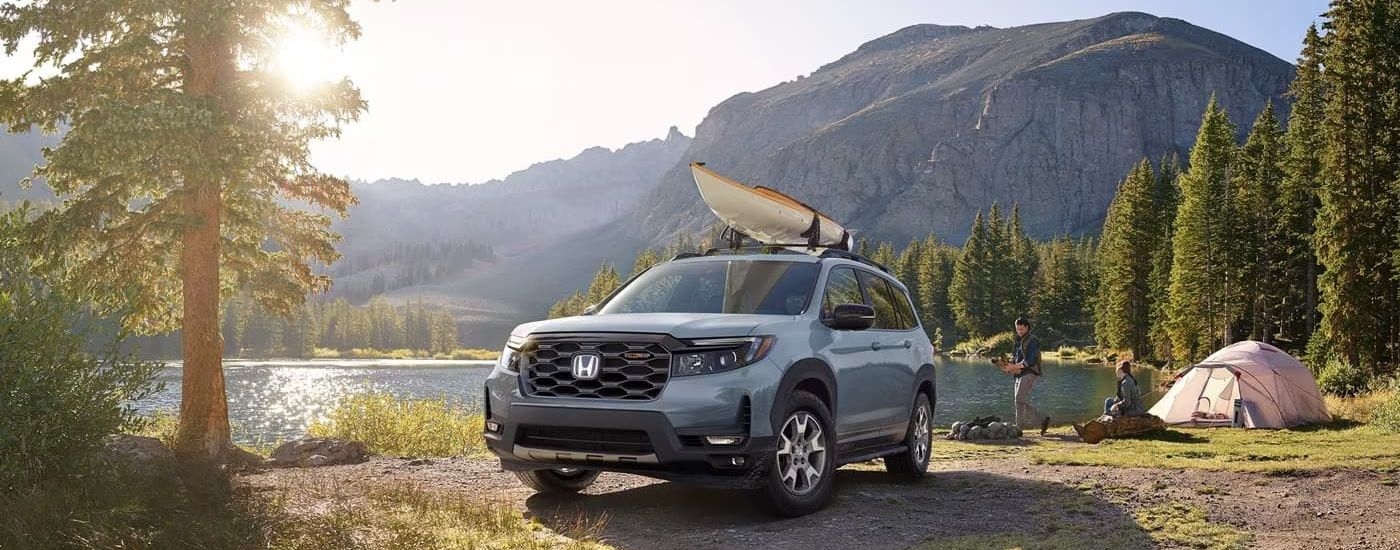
58,401
420,428
1340,377
1387,415
476,354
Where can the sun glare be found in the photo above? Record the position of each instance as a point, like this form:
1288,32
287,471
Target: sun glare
305,60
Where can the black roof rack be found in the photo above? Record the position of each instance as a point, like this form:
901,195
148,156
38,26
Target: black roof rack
847,255
787,249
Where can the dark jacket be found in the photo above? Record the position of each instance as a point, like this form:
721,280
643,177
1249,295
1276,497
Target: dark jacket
1027,349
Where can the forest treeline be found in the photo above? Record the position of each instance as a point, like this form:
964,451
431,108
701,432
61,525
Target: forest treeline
250,331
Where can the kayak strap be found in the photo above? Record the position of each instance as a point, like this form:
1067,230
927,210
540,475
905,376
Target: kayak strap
733,237
813,232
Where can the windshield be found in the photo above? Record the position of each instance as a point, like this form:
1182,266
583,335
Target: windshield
737,286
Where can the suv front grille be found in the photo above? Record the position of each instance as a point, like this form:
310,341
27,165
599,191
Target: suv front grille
630,369
585,440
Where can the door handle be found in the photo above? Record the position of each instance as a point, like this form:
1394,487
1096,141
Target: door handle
875,346
908,344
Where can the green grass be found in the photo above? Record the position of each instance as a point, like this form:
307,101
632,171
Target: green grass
1180,525
110,511
1339,445
418,428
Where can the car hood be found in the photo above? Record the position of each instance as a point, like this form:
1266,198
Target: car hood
679,325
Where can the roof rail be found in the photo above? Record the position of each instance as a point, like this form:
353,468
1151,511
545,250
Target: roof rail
753,249
685,255
845,255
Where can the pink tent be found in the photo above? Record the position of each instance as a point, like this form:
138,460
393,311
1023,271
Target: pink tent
1273,388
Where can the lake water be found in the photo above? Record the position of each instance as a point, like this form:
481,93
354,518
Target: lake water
271,401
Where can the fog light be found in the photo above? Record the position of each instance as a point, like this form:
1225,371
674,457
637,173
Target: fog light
724,440
736,461
493,426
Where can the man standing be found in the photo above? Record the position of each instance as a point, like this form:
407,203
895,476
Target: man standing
1026,354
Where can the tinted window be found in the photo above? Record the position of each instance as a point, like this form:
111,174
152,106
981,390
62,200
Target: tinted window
907,319
738,286
841,288
882,299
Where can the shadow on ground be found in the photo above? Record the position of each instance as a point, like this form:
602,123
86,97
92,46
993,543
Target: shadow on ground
869,511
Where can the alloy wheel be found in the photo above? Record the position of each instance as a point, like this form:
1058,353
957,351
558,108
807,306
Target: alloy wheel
802,453
922,434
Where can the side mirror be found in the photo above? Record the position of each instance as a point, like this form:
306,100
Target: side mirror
591,309
851,317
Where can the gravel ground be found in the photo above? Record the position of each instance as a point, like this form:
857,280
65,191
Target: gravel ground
1337,509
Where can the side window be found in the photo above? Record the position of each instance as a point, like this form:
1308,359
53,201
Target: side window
880,298
907,319
841,288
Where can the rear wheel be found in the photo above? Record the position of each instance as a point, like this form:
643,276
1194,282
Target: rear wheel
800,479
918,442
558,480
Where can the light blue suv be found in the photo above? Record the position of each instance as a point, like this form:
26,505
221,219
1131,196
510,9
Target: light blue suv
756,371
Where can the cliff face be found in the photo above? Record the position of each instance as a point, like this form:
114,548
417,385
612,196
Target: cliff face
918,130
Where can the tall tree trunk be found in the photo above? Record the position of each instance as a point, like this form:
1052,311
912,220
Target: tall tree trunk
204,427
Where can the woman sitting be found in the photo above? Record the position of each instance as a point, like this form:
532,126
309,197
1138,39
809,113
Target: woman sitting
1129,400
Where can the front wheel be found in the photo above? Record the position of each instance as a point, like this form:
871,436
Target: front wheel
918,442
558,480
800,479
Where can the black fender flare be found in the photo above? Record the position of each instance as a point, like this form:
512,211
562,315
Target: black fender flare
926,373
803,370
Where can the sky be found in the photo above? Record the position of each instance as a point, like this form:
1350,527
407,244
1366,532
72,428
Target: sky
465,91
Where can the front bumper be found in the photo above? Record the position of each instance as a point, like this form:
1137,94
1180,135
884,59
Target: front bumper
662,438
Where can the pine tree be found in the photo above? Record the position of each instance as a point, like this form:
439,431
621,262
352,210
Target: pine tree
1122,308
1059,299
180,157
1295,267
1256,179
974,305
906,268
1164,203
604,282
645,260
884,254
935,275
1199,308
1022,271
1356,231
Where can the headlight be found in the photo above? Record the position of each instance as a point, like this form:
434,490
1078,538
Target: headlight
729,354
510,355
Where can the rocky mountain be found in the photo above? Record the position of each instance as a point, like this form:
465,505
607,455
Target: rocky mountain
918,130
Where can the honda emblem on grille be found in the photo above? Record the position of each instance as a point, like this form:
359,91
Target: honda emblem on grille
586,366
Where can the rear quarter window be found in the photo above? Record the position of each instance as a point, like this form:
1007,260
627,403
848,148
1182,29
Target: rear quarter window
881,297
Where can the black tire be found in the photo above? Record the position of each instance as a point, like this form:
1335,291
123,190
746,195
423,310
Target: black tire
807,496
558,482
913,462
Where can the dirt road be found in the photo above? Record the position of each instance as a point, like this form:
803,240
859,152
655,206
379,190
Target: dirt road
969,502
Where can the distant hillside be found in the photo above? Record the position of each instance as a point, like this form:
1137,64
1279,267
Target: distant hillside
485,239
